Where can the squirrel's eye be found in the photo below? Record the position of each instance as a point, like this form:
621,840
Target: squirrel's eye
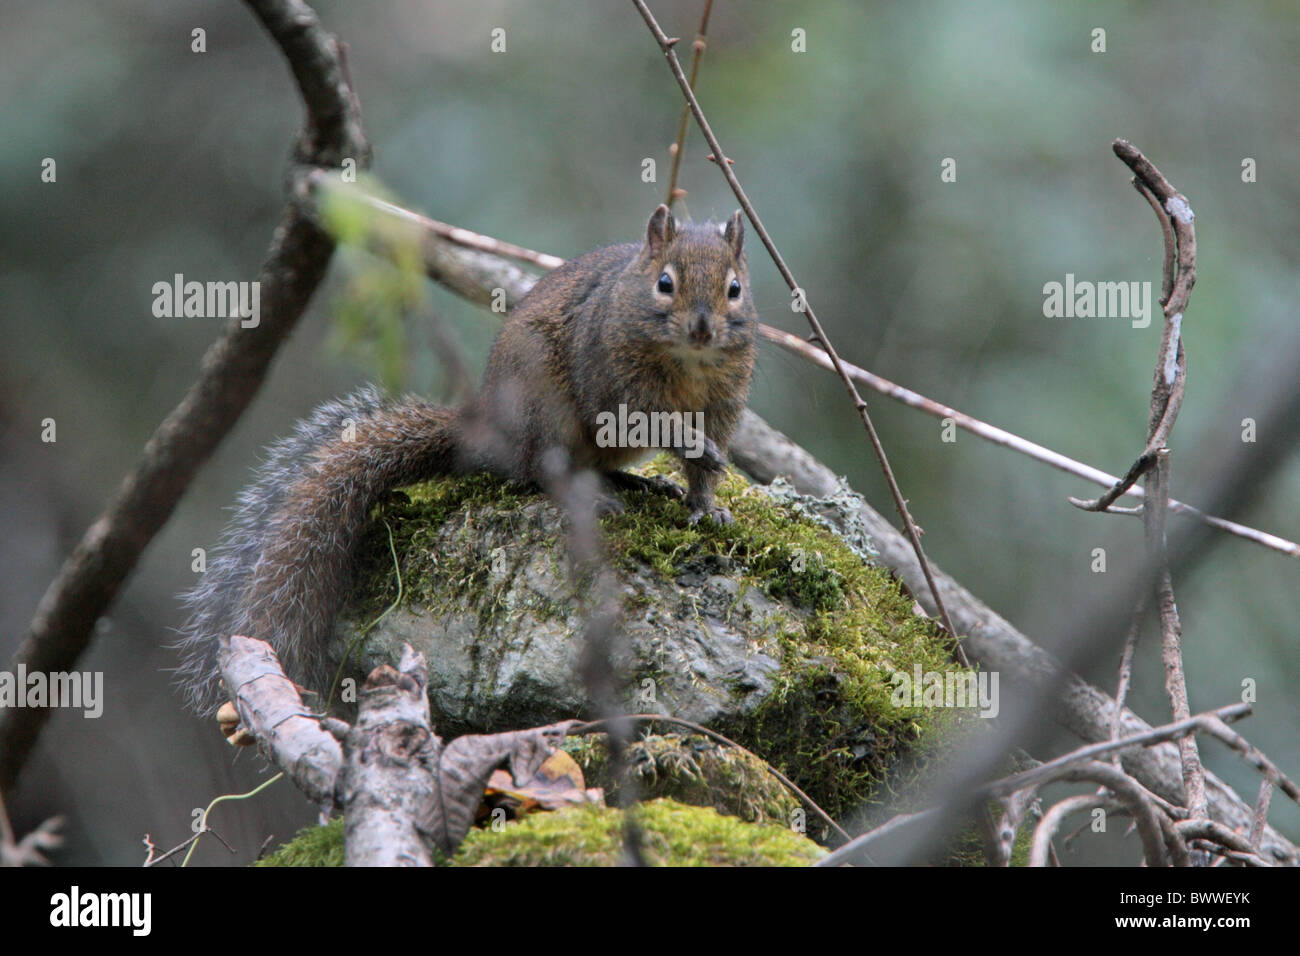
665,283
733,290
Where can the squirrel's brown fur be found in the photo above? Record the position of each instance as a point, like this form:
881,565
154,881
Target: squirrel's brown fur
595,333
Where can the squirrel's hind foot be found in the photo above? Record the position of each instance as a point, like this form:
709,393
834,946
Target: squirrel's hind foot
715,513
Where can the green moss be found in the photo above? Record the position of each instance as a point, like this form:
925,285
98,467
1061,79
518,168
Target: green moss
313,846
435,578
672,834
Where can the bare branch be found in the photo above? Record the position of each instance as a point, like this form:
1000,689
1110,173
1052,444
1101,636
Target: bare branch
271,708
1254,756
1054,817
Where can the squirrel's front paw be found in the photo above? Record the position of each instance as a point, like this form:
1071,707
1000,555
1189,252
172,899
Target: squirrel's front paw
715,513
659,485
606,505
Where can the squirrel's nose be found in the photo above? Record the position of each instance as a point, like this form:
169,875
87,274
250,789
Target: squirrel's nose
701,328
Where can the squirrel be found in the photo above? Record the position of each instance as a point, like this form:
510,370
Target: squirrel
663,325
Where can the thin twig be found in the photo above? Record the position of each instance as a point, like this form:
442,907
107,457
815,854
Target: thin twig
1171,242
1174,841
1126,668
325,185
1171,648
1179,275
679,145
1150,821
857,850
1245,859
1254,756
151,860
603,639
1121,487
713,734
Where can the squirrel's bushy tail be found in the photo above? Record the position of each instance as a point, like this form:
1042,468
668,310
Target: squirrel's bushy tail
283,565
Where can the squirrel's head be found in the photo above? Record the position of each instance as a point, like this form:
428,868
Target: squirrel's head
696,283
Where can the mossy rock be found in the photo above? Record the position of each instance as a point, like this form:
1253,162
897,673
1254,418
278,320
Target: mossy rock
774,630
672,834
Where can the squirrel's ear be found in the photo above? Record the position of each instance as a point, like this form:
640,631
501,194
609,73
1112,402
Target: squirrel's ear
734,233
660,230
